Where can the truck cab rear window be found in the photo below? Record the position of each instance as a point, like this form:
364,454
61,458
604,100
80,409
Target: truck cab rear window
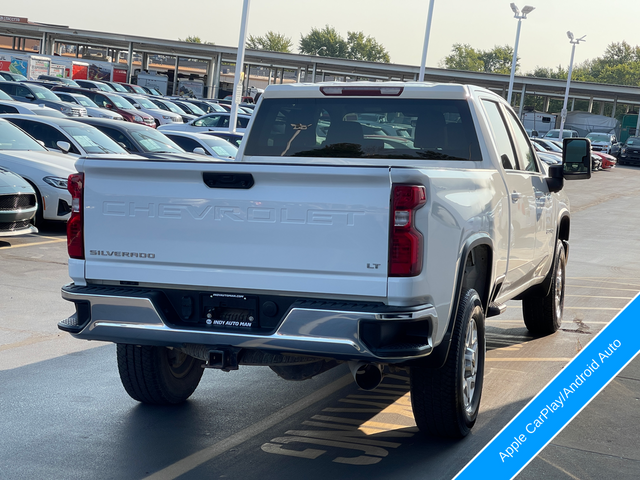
364,128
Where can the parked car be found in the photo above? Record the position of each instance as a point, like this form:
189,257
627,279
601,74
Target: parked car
630,152
211,122
144,104
131,88
169,106
547,144
606,161
604,142
206,106
8,105
232,138
18,205
204,144
67,136
30,93
53,78
189,107
93,110
46,171
555,134
141,140
116,86
549,157
114,103
12,77
245,99
95,85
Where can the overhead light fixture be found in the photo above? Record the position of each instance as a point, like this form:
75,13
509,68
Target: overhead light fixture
570,35
528,9
515,9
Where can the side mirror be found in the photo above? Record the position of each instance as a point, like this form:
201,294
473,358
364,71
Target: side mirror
108,105
199,151
30,96
137,105
64,146
576,158
534,133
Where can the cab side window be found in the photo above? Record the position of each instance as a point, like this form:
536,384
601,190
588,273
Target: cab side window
526,156
501,135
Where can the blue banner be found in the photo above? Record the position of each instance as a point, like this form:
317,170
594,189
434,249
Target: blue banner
560,401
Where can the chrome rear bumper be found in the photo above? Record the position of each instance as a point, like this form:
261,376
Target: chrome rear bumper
106,314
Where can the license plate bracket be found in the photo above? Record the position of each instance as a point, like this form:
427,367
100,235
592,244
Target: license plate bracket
230,310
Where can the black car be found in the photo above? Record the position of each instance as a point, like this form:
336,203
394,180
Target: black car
141,140
630,152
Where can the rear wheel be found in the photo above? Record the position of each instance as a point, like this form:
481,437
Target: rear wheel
446,401
543,313
158,375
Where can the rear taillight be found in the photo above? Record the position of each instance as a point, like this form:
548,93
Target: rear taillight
406,243
75,235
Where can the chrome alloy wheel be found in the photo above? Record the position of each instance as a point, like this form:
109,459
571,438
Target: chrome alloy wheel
470,370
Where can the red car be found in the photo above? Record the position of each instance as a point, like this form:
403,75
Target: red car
608,161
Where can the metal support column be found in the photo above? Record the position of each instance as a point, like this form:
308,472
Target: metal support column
210,69
601,108
590,105
524,90
129,61
216,77
545,108
145,62
615,107
313,75
298,75
43,44
573,103
175,75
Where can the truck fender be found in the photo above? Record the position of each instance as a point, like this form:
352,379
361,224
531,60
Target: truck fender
438,356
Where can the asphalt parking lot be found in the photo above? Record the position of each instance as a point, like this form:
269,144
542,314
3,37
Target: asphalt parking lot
65,414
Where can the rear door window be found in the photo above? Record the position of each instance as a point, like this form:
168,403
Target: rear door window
365,128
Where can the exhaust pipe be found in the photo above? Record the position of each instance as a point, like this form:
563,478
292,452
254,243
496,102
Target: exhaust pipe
366,375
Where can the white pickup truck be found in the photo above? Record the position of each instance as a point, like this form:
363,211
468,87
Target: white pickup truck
371,223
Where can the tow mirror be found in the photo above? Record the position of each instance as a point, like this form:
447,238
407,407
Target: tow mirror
576,158
64,146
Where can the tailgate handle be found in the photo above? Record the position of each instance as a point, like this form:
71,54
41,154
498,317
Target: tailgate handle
228,180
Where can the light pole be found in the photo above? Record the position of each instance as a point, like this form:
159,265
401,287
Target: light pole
520,16
563,115
239,75
427,32
319,50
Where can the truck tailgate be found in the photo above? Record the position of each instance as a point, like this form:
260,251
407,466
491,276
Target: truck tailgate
298,228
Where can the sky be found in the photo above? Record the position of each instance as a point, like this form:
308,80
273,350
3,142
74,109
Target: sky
398,25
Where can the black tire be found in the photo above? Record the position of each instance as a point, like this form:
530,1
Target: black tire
38,218
446,400
158,375
543,313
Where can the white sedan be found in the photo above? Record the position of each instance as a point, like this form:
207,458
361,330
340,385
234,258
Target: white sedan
46,171
212,122
204,144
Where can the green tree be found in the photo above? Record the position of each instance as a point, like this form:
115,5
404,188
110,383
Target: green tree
464,57
326,42
194,39
274,42
498,59
367,48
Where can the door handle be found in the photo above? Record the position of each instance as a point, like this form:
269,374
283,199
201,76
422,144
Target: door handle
515,196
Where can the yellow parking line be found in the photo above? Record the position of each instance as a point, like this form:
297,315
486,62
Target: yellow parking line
208,453
33,244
